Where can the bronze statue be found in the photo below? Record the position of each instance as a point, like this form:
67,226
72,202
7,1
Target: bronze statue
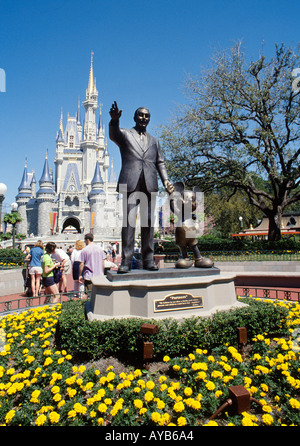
184,205
142,159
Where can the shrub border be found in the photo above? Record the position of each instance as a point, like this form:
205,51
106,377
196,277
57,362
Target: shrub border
122,339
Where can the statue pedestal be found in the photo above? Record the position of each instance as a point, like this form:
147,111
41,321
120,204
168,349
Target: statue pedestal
169,292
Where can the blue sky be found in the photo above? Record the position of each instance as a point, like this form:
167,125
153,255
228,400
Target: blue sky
143,51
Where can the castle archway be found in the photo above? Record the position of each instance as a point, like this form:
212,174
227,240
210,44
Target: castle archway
71,225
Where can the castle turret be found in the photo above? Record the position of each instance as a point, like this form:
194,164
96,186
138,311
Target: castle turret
97,202
22,199
45,198
89,145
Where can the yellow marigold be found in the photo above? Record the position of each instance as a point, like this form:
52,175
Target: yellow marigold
110,376
199,366
79,408
162,379
188,391
181,421
55,389
295,404
54,417
72,414
34,396
155,416
211,423
71,392
150,385
216,374
267,419
48,361
102,407
41,419
210,385
148,396
9,416
166,358
179,407
264,387
57,397
201,375
160,404
138,403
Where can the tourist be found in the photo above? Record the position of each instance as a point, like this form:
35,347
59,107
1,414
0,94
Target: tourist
62,257
35,266
75,261
48,276
91,262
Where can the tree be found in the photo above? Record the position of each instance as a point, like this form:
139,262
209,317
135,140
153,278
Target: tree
226,213
240,129
13,219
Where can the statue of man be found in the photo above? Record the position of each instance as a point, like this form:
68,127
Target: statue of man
142,159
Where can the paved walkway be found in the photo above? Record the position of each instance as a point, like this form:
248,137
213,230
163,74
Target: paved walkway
289,292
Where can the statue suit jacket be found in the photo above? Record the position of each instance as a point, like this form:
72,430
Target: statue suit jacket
138,157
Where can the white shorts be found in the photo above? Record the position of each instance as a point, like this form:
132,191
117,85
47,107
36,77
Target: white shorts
35,270
67,268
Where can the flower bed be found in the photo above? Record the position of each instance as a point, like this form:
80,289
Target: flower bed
40,385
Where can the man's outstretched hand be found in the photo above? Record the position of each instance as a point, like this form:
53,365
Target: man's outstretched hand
114,112
169,186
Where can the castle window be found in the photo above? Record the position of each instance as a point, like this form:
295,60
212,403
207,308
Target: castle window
71,141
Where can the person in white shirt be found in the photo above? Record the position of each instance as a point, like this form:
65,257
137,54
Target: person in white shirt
62,257
75,261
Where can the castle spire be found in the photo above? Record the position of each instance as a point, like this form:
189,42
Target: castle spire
78,112
91,78
24,183
61,123
46,175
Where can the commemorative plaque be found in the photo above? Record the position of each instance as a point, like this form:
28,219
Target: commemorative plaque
178,301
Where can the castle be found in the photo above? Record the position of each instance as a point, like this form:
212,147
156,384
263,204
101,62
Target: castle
82,196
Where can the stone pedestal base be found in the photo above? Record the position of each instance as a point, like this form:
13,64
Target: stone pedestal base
161,294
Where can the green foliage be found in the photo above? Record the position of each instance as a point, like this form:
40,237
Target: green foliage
122,338
12,218
213,243
12,254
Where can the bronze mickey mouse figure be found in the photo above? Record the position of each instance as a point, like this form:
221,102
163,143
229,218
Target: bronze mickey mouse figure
184,205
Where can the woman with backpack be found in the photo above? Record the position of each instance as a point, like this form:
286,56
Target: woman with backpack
48,267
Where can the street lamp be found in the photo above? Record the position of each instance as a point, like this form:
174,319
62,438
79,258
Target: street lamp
14,207
241,223
3,190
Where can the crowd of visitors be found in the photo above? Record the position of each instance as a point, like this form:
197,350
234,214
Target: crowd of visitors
49,266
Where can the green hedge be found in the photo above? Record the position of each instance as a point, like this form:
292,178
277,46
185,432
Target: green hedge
209,243
12,255
122,339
